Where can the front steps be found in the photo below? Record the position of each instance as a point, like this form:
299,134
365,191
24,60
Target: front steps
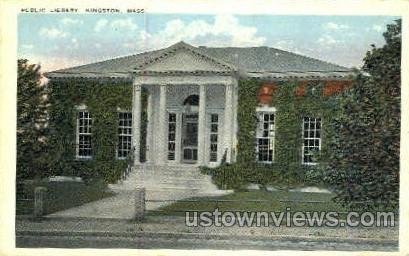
163,184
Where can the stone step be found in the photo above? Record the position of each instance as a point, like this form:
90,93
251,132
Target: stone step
166,179
167,167
172,169
152,185
164,184
164,176
201,185
186,186
165,170
160,175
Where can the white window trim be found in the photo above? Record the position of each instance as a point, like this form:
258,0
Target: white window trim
270,110
208,153
302,146
220,135
266,109
167,136
119,110
80,108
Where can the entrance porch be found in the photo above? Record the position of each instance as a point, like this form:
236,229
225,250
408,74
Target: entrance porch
190,119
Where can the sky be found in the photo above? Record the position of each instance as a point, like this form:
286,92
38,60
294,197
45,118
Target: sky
63,40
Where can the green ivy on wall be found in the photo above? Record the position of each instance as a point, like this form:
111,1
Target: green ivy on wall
286,171
102,101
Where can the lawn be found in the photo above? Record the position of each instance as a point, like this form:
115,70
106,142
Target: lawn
256,200
61,195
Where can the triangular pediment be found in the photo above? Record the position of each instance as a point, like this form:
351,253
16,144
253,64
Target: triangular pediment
182,57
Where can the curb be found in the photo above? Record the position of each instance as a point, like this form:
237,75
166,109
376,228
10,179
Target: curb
70,218
204,236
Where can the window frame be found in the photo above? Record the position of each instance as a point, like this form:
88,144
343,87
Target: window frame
79,109
261,111
310,138
217,134
123,135
174,132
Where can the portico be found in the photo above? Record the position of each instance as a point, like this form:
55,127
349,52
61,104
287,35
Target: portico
191,119
191,116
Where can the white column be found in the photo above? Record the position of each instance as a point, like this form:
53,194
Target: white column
228,120
178,149
149,131
136,121
162,142
235,120
202,126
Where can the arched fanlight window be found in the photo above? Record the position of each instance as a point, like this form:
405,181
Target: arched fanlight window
189,102
192,100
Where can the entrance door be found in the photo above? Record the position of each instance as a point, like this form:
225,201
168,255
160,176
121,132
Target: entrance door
189,138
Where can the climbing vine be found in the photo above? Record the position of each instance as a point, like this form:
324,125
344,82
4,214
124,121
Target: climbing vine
102,101
293,101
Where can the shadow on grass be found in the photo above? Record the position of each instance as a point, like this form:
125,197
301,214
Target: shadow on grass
252,201
62,195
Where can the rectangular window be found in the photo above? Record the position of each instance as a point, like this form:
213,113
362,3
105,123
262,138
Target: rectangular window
265,136
171,136
124,134
311,139
84,134
214,128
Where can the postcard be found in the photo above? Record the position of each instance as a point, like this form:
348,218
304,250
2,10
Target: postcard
190,127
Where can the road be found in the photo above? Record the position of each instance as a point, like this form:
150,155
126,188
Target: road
141,242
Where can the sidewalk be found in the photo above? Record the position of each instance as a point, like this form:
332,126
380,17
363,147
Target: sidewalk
118,206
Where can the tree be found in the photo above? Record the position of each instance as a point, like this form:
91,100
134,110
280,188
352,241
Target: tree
364,160
32,106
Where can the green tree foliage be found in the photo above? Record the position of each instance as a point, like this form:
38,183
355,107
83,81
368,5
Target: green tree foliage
364,156
32,129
